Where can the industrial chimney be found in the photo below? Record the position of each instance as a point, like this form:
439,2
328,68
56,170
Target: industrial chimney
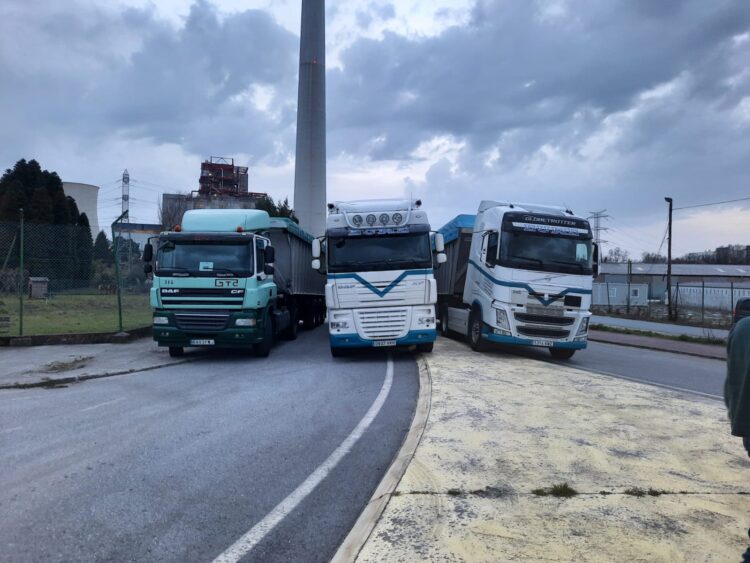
310,163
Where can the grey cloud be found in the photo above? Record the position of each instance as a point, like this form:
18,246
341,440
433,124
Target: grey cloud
182,85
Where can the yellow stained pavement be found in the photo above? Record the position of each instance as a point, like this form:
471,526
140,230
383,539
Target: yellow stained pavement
501,426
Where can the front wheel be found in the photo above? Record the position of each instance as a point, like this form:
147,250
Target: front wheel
425,348
477,343
444,330
293,328
561,353
176,351
263,349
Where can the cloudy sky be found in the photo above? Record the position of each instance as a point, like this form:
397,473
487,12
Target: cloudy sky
595,105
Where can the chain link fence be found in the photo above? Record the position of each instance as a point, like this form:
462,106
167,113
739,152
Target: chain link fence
55,280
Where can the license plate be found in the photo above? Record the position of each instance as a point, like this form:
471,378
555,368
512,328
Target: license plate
379,343
202,342
545,343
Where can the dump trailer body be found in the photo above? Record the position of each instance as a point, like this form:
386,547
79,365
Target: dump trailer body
451,276
293,274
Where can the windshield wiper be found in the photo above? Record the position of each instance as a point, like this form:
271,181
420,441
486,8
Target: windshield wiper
529,259
580,266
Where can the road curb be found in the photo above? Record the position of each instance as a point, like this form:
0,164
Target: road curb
77,379
656,348
365,524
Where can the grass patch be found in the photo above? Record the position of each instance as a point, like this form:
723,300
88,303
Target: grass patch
561,490
69,313
635,492
652,334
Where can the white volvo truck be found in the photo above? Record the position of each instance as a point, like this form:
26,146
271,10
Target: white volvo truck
381,290
518,274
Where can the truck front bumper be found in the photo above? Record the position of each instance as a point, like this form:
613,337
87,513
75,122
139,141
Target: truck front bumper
577,344
230,337
355,341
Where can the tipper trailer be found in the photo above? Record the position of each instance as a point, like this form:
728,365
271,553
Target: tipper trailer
232,278
381,289
518,274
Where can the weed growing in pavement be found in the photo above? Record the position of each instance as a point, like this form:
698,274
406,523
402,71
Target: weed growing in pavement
561,490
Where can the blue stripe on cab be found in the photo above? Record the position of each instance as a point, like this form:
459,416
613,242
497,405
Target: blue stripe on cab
375,290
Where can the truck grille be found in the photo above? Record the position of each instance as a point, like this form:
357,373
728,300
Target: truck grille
543,332
383,324
208,322
544,319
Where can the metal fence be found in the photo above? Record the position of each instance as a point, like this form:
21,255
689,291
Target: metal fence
694,303
53,280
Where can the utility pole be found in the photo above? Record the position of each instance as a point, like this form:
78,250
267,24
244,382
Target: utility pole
126,209
669,261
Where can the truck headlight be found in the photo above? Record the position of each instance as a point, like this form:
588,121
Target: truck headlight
335,325
426,320
584,328
502,319
246,322
161,320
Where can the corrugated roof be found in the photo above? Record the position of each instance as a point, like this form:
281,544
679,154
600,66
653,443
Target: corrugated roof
702,270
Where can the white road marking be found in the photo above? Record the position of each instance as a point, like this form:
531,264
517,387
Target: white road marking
249,540
7,430
91,408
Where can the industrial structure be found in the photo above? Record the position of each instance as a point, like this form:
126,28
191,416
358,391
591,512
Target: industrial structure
221,185
310,160
87,200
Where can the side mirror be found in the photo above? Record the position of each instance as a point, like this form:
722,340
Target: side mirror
439,244
316,264
316,248
148,268
268,270
441,258
148,253
270,253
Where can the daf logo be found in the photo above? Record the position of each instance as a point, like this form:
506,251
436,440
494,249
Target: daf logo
169,291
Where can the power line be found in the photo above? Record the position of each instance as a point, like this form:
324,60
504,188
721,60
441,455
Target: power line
714,203
597,216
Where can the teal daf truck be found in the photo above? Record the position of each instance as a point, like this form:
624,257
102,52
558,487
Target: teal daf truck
232,278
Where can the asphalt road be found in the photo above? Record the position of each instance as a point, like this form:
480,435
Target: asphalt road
690,374
177,464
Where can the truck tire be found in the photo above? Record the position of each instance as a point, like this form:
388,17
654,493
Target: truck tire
263,349
561,353
425,348
291,332
444,330
474,336
337,352
176,351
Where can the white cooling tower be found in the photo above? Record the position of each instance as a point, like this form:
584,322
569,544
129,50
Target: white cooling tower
86,196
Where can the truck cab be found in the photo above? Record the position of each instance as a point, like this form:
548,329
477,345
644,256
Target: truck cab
381,291
518,274
214,282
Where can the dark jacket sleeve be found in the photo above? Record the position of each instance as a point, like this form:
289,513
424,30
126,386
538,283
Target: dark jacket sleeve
737,386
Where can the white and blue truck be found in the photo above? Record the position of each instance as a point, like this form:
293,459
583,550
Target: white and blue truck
232,278
518,274
381,289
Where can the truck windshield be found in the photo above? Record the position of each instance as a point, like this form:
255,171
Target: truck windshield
545,252
204,258
382,252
